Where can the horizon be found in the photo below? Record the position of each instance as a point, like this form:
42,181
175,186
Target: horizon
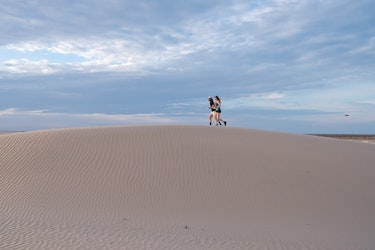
288,66
135,125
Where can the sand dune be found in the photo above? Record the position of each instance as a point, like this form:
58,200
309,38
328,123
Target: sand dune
184,187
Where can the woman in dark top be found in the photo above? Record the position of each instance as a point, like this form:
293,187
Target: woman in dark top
218,111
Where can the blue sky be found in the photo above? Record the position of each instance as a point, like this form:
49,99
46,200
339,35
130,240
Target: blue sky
282,65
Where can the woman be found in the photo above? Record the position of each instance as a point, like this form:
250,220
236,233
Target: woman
213,108
218,111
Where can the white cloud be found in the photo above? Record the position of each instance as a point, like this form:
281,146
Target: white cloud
253,28
10,111
273,96
30,67
99,116
41,119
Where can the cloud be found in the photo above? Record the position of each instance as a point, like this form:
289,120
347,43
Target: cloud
272,33
10,111
42,119
30,67
163,57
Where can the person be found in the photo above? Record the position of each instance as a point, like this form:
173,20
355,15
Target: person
213,110
218,111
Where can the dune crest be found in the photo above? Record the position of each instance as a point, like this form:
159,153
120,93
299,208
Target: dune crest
184,187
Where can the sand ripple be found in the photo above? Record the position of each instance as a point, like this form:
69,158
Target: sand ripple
184,187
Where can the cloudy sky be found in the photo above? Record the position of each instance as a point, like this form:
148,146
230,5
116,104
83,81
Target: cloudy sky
283,65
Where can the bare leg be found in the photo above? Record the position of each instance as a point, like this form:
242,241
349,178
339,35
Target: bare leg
210,116
225,122
217,118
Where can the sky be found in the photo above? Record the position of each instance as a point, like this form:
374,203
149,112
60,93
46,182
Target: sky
295,66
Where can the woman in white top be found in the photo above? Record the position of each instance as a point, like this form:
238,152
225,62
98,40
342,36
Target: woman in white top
212,107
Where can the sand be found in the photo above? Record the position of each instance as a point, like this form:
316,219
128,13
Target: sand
361,138
184,187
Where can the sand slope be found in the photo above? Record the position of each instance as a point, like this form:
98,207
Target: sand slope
184,187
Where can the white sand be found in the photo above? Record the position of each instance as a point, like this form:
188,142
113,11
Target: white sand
184,187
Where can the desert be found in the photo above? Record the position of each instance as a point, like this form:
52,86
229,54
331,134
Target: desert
184,187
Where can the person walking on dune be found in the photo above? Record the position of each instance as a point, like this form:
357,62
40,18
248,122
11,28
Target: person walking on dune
218,111
212,107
